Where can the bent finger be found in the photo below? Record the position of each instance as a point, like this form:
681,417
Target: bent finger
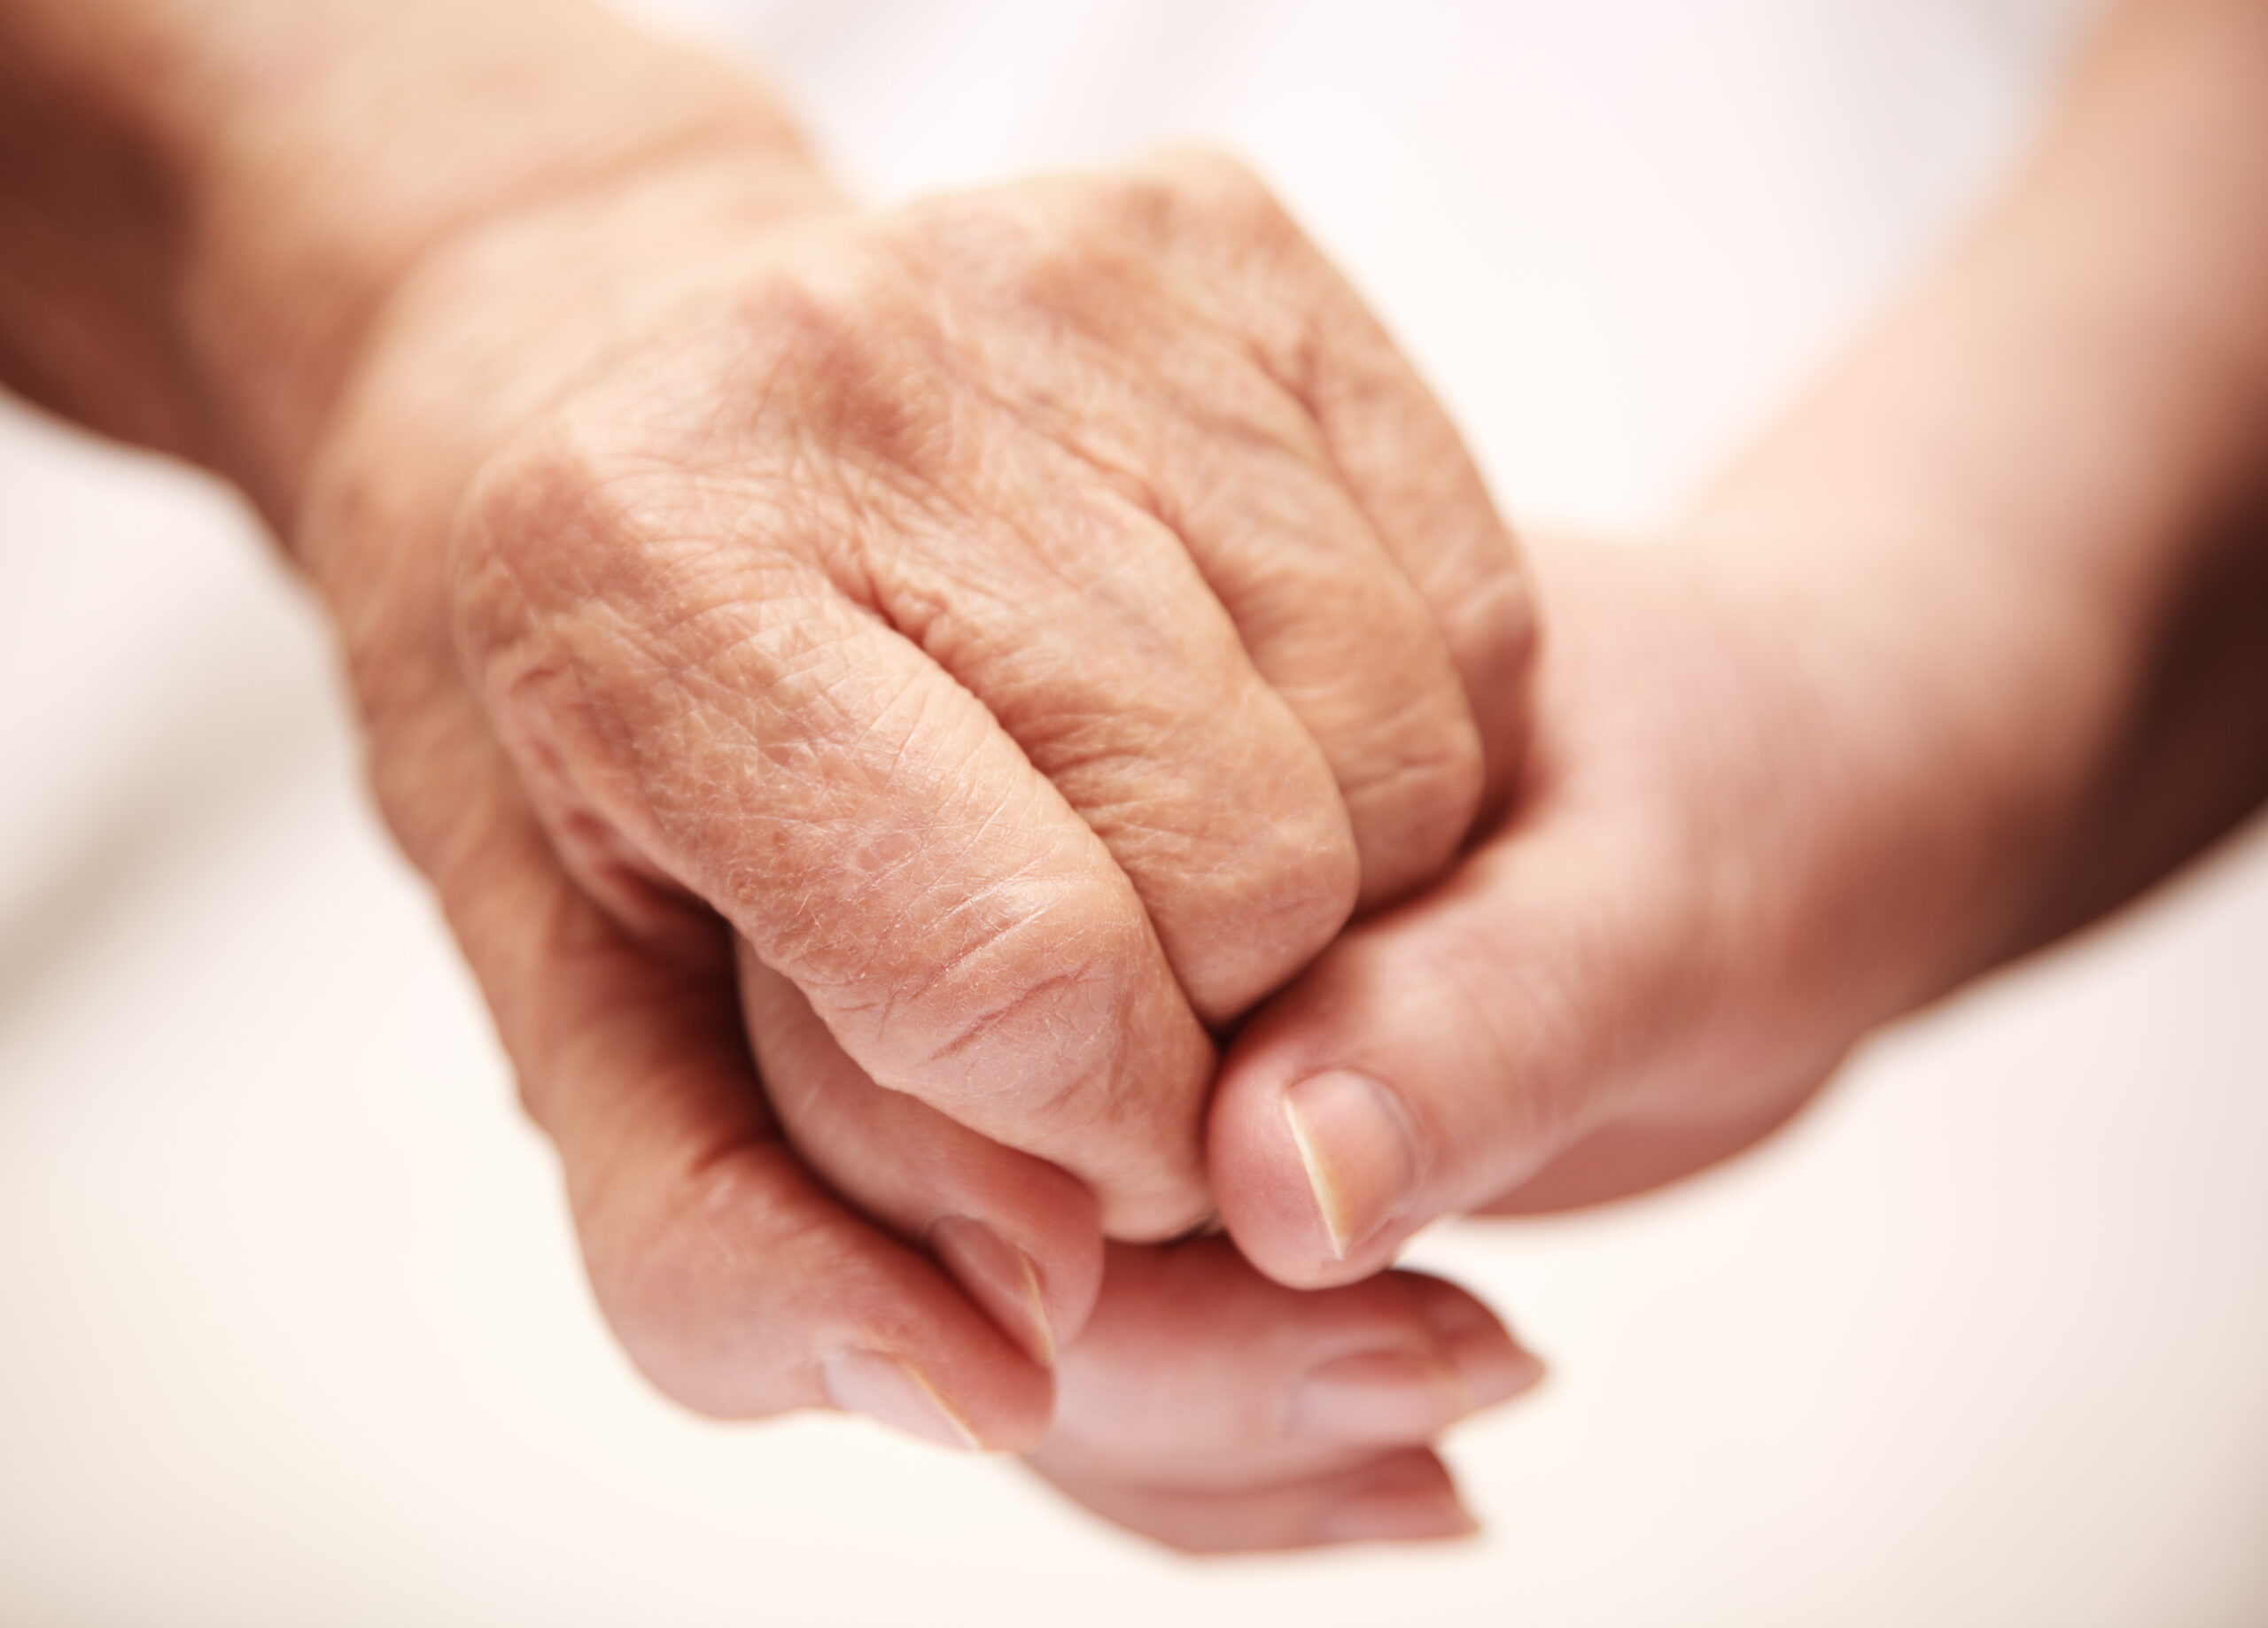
739,1285
1213,1410
1388,437
1335,627
1019,1236
1439,1056
1405,1495
855,814
1407,465
1196,1374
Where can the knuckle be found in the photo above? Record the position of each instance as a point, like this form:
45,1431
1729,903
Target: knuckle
858,365
1049,1024
1263,906
585,597
1016,1016
1066,235
538,542
1222,186
542,528
1415,801
1025,265
1245,876
1307,874
646,1270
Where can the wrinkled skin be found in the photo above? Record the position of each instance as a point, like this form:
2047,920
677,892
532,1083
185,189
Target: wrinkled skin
1778,783
1021,631
1965,652
880,697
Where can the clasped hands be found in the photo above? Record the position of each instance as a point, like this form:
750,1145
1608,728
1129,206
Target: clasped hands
901,710
967,742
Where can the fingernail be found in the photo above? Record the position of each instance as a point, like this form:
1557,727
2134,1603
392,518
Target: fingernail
1397,1509
1354,1142
1377,1397
893,1391
1489,1364
1001,1277
1492,1370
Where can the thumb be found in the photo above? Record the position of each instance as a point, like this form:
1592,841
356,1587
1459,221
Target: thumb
1442,1055
1708,894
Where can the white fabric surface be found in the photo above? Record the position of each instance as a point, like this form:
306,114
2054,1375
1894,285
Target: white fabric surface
294,1330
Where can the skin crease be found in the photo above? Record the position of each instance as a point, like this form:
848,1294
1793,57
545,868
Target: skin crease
843,474
599,522
1921,684
1791,774
1022,626
1791,770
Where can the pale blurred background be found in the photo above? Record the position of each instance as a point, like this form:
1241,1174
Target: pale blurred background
294,1328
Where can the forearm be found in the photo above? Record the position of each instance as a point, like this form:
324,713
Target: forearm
203,203
2020,530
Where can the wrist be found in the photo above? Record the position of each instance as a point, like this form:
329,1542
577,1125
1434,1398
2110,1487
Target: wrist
1987,533
1941,713
366,153
287,165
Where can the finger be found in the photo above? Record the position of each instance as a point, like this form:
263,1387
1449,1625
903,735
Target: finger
1020,1237
739,1286
1408,468
1200,1385
1440,1055
858,815
1091,635
1404,1495
1336,628
1585,985
1181,414
1197,1373
1388,437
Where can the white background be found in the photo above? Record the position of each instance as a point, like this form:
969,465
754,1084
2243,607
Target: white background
291,1329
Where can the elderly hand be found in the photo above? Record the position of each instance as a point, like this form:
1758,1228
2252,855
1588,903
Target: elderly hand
1033,621
1020,627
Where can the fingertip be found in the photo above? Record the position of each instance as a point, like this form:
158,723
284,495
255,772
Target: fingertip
1159,1213
1493,1370
1491,1364
1403,1497
1267,1200
1419,1067
1356,1151
894,1392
